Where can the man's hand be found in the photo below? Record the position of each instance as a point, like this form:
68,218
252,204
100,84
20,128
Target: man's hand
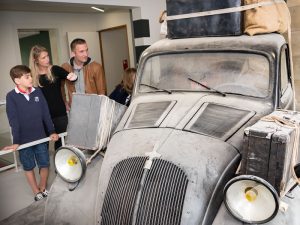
72,77
11,147
54,137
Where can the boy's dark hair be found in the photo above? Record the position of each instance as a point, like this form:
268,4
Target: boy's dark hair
18,71
77,41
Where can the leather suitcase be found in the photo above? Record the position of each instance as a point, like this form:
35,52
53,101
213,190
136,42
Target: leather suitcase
268,149
215,25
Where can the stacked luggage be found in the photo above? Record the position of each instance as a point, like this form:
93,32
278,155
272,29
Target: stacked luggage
197,18
270,149
216,25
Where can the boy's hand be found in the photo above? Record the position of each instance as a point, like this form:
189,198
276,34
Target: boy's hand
11,147
54,137
72,77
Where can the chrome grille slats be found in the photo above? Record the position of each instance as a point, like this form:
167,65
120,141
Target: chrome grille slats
165,216
126,205
167,183
176,202
162,193
152,187
120,195
163,185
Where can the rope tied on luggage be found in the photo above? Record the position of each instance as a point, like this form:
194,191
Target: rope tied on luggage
224,11
287,122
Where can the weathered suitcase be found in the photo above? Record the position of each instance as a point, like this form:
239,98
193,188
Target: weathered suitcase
215,25
268,149
92,120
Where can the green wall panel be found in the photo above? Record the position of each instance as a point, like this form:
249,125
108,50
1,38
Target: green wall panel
27,42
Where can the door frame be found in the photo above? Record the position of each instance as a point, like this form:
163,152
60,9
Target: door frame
100,40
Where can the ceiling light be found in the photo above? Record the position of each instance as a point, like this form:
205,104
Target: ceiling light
98,9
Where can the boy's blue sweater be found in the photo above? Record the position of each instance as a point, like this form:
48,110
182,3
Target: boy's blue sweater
28,119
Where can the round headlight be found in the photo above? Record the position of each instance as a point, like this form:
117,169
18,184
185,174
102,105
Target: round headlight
70,163
251,199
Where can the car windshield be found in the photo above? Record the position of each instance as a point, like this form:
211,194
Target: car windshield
227,72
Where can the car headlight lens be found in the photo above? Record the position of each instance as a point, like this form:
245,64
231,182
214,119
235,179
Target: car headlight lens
251,199
70,163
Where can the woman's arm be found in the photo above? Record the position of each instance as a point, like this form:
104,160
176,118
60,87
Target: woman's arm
62,73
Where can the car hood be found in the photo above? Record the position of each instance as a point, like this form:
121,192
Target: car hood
204,165
197,135
202,113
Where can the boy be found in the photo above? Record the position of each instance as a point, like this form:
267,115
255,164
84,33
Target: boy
28,116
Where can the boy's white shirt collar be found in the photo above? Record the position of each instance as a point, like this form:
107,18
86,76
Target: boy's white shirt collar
17,90
25,95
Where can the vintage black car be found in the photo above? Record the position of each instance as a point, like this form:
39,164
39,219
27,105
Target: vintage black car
180,140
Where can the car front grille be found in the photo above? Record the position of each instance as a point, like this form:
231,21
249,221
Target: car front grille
144,197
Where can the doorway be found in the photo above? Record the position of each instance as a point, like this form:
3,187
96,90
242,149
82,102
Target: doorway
30,37
114,54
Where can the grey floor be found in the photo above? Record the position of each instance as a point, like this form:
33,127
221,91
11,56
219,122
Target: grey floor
15,193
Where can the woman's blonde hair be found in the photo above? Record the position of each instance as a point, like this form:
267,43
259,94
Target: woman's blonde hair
128,79
35,53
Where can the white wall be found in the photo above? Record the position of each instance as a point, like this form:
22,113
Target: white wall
11,21
65,22
116,19
9,45
68,22
149,10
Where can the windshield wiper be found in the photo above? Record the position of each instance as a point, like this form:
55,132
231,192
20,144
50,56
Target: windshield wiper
156,88
207,87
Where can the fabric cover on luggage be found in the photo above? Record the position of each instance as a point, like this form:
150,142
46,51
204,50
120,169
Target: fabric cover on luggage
266,19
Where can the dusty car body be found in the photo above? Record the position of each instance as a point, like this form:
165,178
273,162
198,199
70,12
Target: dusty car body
180,141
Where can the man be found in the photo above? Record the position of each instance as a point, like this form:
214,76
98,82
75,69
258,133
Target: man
91,79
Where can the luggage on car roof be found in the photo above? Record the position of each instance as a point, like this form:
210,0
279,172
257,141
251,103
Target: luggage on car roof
214,25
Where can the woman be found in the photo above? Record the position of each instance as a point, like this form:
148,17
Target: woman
122,92
48,78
